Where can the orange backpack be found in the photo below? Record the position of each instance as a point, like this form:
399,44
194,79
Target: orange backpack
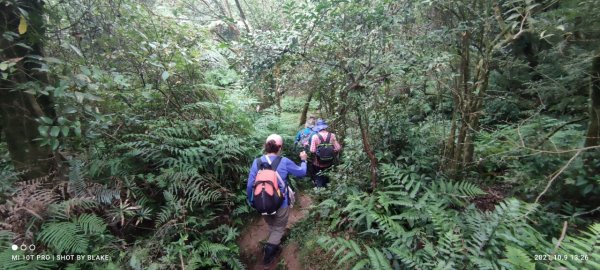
267,196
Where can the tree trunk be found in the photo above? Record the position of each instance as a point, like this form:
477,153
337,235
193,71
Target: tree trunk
592,137
239,7
469,146
449,149
483,75
593,133
367,148
463,98
19,109
305,108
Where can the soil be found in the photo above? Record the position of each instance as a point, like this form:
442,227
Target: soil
494,195
251,249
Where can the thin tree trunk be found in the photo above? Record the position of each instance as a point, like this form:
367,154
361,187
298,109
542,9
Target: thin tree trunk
464,97
459,147
227,8
469,146
239,7
592,137
305,108
449,154
482,82
367,148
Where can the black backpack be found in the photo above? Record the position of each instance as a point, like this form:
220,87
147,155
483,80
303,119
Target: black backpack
266,196
325,152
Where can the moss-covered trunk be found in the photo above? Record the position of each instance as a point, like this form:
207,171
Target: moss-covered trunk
592,138
18,108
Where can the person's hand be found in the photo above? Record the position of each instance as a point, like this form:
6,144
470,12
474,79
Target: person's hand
303,156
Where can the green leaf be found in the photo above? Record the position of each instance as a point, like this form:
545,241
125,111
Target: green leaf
77,131
79,96
43,130
54,144
23,45
4,65
61,120
70,110
93,97
77,51
165,75
22,25
65,131
53,60
46,120
54,131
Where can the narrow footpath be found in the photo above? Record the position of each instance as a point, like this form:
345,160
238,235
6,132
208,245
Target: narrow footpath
251,248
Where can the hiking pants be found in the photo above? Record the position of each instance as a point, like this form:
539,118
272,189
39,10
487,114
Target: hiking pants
277,224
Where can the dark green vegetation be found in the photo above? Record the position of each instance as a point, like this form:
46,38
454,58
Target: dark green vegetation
470,130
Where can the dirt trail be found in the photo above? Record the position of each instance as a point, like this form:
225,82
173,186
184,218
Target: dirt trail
251,249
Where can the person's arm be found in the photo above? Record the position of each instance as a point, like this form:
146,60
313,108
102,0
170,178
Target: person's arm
295,170
251,178
336,146
298,136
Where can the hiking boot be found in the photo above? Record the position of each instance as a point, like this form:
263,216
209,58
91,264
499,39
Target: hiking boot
270,253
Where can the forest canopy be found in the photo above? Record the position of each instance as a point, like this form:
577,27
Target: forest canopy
470,131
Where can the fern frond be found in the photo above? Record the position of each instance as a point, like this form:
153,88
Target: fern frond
451,246
64,237
462,189
586,248
65,209
91,224
377,259
517,258
6,262
340,246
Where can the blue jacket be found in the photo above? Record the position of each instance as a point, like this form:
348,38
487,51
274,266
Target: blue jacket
306,131
286,166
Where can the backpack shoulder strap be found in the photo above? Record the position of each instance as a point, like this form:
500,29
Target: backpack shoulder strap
328,137
320,137
275,163
259,162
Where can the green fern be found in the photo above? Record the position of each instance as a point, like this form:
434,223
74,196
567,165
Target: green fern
460,189
344,250
66,209
91,224
6,238
583,251
64,237
7,263
517,259
377,259
71,237
349,252
451,246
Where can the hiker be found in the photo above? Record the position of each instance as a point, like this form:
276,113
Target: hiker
268,191
303,136
325,147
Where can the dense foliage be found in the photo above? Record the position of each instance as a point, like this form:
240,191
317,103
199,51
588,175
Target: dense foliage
470,130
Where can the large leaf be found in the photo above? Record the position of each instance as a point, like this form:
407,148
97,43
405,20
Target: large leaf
22,25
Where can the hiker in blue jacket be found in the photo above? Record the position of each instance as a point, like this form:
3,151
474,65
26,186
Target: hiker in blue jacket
276,222
303,136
